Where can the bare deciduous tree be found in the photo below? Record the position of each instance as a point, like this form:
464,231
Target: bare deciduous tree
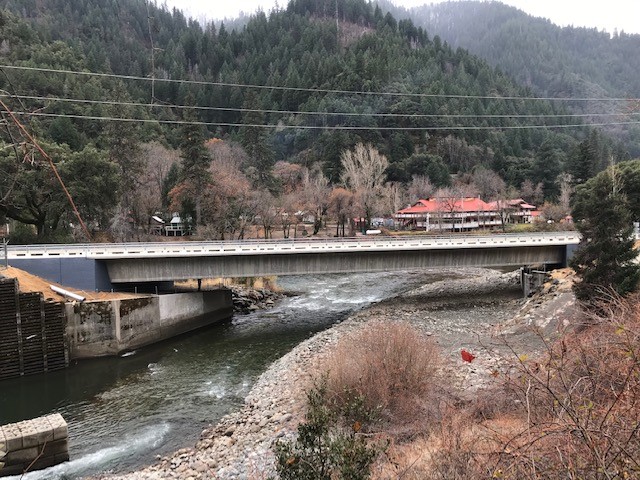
488,183
532,193
420,188
290,175
565,182
449,200
394,197
554,212
287,206
363,170
266,213
341,208
156,160
316,196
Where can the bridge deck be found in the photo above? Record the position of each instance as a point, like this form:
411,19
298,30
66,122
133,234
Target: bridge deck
114,251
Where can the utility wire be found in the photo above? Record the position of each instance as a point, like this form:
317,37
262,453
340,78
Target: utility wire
316,90
323,127
315,112
51,163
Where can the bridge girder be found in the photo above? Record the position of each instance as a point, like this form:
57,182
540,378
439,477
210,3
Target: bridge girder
131,270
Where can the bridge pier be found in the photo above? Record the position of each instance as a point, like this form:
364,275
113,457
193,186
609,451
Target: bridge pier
531,279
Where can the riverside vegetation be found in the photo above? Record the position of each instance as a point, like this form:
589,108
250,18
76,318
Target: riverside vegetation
572,411
552,394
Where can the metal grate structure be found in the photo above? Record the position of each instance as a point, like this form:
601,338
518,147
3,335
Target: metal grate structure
32,332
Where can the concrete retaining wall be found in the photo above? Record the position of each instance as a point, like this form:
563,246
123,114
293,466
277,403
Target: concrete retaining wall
532,280
33,445
102,328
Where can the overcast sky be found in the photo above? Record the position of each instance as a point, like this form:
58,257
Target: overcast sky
604,15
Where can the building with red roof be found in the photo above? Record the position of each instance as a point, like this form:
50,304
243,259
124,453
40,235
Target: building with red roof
463,214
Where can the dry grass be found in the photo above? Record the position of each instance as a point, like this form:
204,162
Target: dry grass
572,413
460,448
388,372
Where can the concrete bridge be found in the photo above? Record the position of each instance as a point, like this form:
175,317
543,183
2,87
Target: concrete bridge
102,266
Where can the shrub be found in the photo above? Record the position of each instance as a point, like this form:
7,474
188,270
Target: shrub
581,404
572,413
385,372
323,449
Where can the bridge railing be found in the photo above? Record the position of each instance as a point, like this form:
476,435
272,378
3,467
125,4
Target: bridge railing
291,245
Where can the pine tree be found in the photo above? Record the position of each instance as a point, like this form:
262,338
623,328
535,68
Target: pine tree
605,256
123,146
255,143
195,160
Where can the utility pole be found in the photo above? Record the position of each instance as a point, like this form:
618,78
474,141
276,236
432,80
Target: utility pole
337,27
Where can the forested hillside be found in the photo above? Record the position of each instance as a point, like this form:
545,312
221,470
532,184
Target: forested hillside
553,61
203,119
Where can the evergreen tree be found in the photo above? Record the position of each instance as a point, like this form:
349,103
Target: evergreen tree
122,141
195,163
546,167
589,158
255,143
605,256
629,175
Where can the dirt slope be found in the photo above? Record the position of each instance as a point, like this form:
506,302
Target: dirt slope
32,283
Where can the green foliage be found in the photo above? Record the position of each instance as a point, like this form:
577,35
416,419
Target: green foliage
323,450
93,182
605,257
629,176
547,165
422,164
23,234
29,192
296,47
554,60
256,144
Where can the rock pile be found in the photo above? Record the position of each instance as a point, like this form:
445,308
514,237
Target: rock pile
247,300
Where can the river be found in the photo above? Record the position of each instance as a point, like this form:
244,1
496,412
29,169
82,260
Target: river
123,412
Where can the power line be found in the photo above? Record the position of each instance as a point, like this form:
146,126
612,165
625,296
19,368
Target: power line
315,90
318,113
322,127
52,164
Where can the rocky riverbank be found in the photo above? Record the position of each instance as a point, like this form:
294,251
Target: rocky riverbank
247,300
473,312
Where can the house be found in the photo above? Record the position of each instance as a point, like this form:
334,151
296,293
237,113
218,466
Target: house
463,214
515,210
176,227
156,225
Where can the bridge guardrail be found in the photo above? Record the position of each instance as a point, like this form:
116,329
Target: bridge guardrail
285,246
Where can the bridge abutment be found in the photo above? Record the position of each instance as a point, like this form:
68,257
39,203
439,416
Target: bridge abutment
111,327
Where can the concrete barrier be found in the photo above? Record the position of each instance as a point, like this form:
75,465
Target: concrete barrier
33,445
102,328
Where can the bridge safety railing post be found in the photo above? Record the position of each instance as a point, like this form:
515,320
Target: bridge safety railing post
5,250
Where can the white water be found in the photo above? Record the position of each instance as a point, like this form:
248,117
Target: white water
131,446
122,412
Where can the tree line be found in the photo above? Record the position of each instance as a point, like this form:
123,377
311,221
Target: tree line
214,170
